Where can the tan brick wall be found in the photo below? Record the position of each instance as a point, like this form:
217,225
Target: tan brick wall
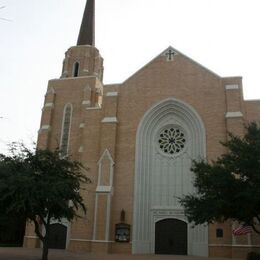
80,246
252,110
241,252
98,247
31,242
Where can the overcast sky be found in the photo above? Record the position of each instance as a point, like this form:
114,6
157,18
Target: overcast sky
223,35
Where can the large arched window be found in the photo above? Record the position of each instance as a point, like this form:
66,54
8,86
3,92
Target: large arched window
75,71
65,133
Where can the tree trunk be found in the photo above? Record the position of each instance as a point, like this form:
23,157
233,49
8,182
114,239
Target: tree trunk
45,250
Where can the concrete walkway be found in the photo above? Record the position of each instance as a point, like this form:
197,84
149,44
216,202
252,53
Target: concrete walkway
35,254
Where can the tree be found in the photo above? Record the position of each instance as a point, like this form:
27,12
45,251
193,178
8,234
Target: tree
228,188
40,186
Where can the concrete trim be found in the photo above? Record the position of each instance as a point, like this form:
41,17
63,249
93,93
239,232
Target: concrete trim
112,85
81,149
71,78
45,127
108,154
109,120
234,114
104,189
232,87
93,108
50,90
112,94
102,241
64,73
86,102
95,218
50,104
88,240
253,100
229,245
108,216
31,237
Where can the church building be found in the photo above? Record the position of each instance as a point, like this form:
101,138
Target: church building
138,139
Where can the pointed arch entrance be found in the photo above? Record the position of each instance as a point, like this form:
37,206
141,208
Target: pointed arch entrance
170,135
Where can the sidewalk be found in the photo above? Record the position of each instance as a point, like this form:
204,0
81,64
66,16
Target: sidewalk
35,254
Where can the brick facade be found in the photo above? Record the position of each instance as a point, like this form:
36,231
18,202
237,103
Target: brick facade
103,134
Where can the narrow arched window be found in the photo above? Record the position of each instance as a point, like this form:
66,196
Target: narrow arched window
65,133
75,72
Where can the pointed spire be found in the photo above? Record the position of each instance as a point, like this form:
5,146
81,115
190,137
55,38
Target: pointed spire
87,29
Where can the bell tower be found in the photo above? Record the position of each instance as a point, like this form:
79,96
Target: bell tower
79,87
84,59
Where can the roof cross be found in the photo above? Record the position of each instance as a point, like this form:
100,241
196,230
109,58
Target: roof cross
170,54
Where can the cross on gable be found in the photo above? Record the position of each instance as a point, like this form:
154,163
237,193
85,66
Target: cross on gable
170,53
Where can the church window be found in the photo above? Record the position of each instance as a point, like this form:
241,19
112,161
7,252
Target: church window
171,140
66,130
219,232
76,69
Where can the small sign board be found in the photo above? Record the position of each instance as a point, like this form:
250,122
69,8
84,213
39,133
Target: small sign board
122,232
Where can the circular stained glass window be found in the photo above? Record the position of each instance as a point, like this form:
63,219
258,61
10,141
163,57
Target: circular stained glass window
172,140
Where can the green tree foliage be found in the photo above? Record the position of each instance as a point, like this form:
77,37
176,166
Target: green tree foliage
228,188
40,186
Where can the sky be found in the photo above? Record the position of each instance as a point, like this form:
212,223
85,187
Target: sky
222,35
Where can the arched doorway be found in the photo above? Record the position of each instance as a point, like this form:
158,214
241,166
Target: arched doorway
170,135
171,237
58,236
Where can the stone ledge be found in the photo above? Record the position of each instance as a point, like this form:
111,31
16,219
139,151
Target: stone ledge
109,120
234,114
231,87
86,102
112,94
104,189
51,105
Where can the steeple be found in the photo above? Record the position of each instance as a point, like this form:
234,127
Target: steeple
84,59
87,29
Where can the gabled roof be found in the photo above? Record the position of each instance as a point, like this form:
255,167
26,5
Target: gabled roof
176,52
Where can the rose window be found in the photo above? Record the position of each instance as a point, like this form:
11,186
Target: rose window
172,140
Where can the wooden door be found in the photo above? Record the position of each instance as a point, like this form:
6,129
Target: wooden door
58,236
171,237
